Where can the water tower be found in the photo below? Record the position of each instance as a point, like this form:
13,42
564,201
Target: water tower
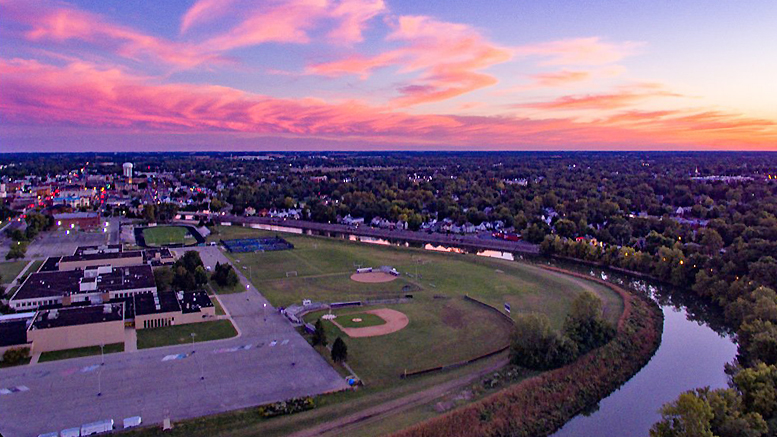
127,170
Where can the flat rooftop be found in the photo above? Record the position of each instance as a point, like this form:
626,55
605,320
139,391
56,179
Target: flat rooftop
13,332
153,303
99,256
83,315
192,301
57,284
75,215
105,248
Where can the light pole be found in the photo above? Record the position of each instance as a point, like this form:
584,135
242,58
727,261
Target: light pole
264,311
193,335
102,353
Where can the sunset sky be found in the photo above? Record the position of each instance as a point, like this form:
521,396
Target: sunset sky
118,75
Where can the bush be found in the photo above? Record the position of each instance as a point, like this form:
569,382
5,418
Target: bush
290,406
15,356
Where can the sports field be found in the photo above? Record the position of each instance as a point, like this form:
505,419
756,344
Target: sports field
162,235
359,320
443,327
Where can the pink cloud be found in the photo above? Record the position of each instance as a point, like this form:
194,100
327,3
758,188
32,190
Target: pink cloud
291,21
63,23
560,78
579,51
623,97
459,53
203,11
82,94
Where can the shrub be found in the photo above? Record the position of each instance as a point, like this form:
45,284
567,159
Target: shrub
15,356
290,406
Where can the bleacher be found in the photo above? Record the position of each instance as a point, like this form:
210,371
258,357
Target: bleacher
257,244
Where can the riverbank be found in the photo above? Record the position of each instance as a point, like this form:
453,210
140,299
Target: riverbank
541,405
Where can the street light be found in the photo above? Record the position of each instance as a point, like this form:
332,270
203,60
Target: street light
264,311
193,335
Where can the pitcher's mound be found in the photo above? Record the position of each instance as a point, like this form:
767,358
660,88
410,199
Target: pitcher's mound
395,321
373,277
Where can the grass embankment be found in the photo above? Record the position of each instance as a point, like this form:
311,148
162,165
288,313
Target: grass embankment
163,235
181,334
80,352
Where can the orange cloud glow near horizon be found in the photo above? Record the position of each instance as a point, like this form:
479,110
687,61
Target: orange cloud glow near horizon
356,74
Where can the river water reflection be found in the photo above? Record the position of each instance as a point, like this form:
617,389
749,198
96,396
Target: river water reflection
694,348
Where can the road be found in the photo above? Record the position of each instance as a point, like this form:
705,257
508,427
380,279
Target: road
269,361
470,241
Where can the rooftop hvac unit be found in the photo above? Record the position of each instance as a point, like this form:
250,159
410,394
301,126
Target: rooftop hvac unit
107,309
53,314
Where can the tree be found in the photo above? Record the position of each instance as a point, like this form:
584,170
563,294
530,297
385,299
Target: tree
183,279
18,250
584,324
200,276
224,275
319,335
339,351
535,345
163,276
688,416
12,357
149,213
191,260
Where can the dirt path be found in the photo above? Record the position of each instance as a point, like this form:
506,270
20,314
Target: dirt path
396,406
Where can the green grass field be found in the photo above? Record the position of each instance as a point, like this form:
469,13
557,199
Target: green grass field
443,328
9,270
324,266
80,352
181,334
367,319
440,332
162,235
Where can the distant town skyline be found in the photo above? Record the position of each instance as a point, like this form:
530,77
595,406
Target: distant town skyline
219,75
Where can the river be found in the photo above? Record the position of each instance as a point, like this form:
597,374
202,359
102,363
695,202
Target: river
694,348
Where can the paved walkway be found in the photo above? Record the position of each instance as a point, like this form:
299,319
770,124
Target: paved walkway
130,340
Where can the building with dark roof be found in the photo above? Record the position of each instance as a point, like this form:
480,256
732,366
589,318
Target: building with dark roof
91,285
77,220
75,327
166,309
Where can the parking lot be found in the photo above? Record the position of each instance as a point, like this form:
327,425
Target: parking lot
269,361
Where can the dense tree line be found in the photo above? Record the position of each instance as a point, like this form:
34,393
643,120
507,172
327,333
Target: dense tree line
649,213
